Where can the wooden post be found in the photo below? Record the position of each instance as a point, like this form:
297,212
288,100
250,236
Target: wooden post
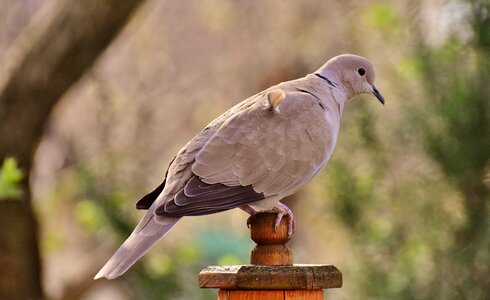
271,274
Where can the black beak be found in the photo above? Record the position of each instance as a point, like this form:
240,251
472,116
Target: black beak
378,94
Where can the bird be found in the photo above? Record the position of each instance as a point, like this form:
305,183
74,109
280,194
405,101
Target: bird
260,151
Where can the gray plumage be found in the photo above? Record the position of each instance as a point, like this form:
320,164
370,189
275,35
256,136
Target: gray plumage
263,149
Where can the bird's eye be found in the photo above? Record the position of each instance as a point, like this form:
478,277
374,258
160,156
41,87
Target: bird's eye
361,71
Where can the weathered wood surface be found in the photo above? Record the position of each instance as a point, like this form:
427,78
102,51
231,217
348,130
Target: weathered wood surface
253,277
270,295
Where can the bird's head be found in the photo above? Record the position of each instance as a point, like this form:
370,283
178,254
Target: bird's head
354,73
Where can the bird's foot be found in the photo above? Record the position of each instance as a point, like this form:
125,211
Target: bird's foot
282,210
252,212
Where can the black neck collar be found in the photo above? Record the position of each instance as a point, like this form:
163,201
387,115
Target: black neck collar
331,83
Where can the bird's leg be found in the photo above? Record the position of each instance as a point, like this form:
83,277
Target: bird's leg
283,210
249,210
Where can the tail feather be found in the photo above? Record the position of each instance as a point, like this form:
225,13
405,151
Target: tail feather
146,234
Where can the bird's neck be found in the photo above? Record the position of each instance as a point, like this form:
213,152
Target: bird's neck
330,86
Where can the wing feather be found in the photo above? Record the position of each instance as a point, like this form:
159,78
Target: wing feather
200,198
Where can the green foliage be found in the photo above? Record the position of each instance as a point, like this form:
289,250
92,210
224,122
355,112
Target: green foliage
90,215
455,132
383,17
424,234
460,139
10,177
350,193
160,264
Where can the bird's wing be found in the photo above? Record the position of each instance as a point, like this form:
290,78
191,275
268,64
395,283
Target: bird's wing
256,152
272,151
199,198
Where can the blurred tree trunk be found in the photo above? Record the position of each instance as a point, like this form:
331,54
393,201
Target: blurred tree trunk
48,58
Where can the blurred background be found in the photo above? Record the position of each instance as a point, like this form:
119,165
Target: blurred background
401,209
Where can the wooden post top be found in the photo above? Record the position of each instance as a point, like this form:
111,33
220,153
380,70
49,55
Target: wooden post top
257,277
271,264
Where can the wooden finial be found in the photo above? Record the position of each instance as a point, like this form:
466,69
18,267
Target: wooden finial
271,242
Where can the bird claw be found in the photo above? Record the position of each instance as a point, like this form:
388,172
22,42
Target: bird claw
283,210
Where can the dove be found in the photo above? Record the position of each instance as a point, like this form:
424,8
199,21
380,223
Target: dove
263,149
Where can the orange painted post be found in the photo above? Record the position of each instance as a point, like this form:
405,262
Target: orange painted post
271,274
